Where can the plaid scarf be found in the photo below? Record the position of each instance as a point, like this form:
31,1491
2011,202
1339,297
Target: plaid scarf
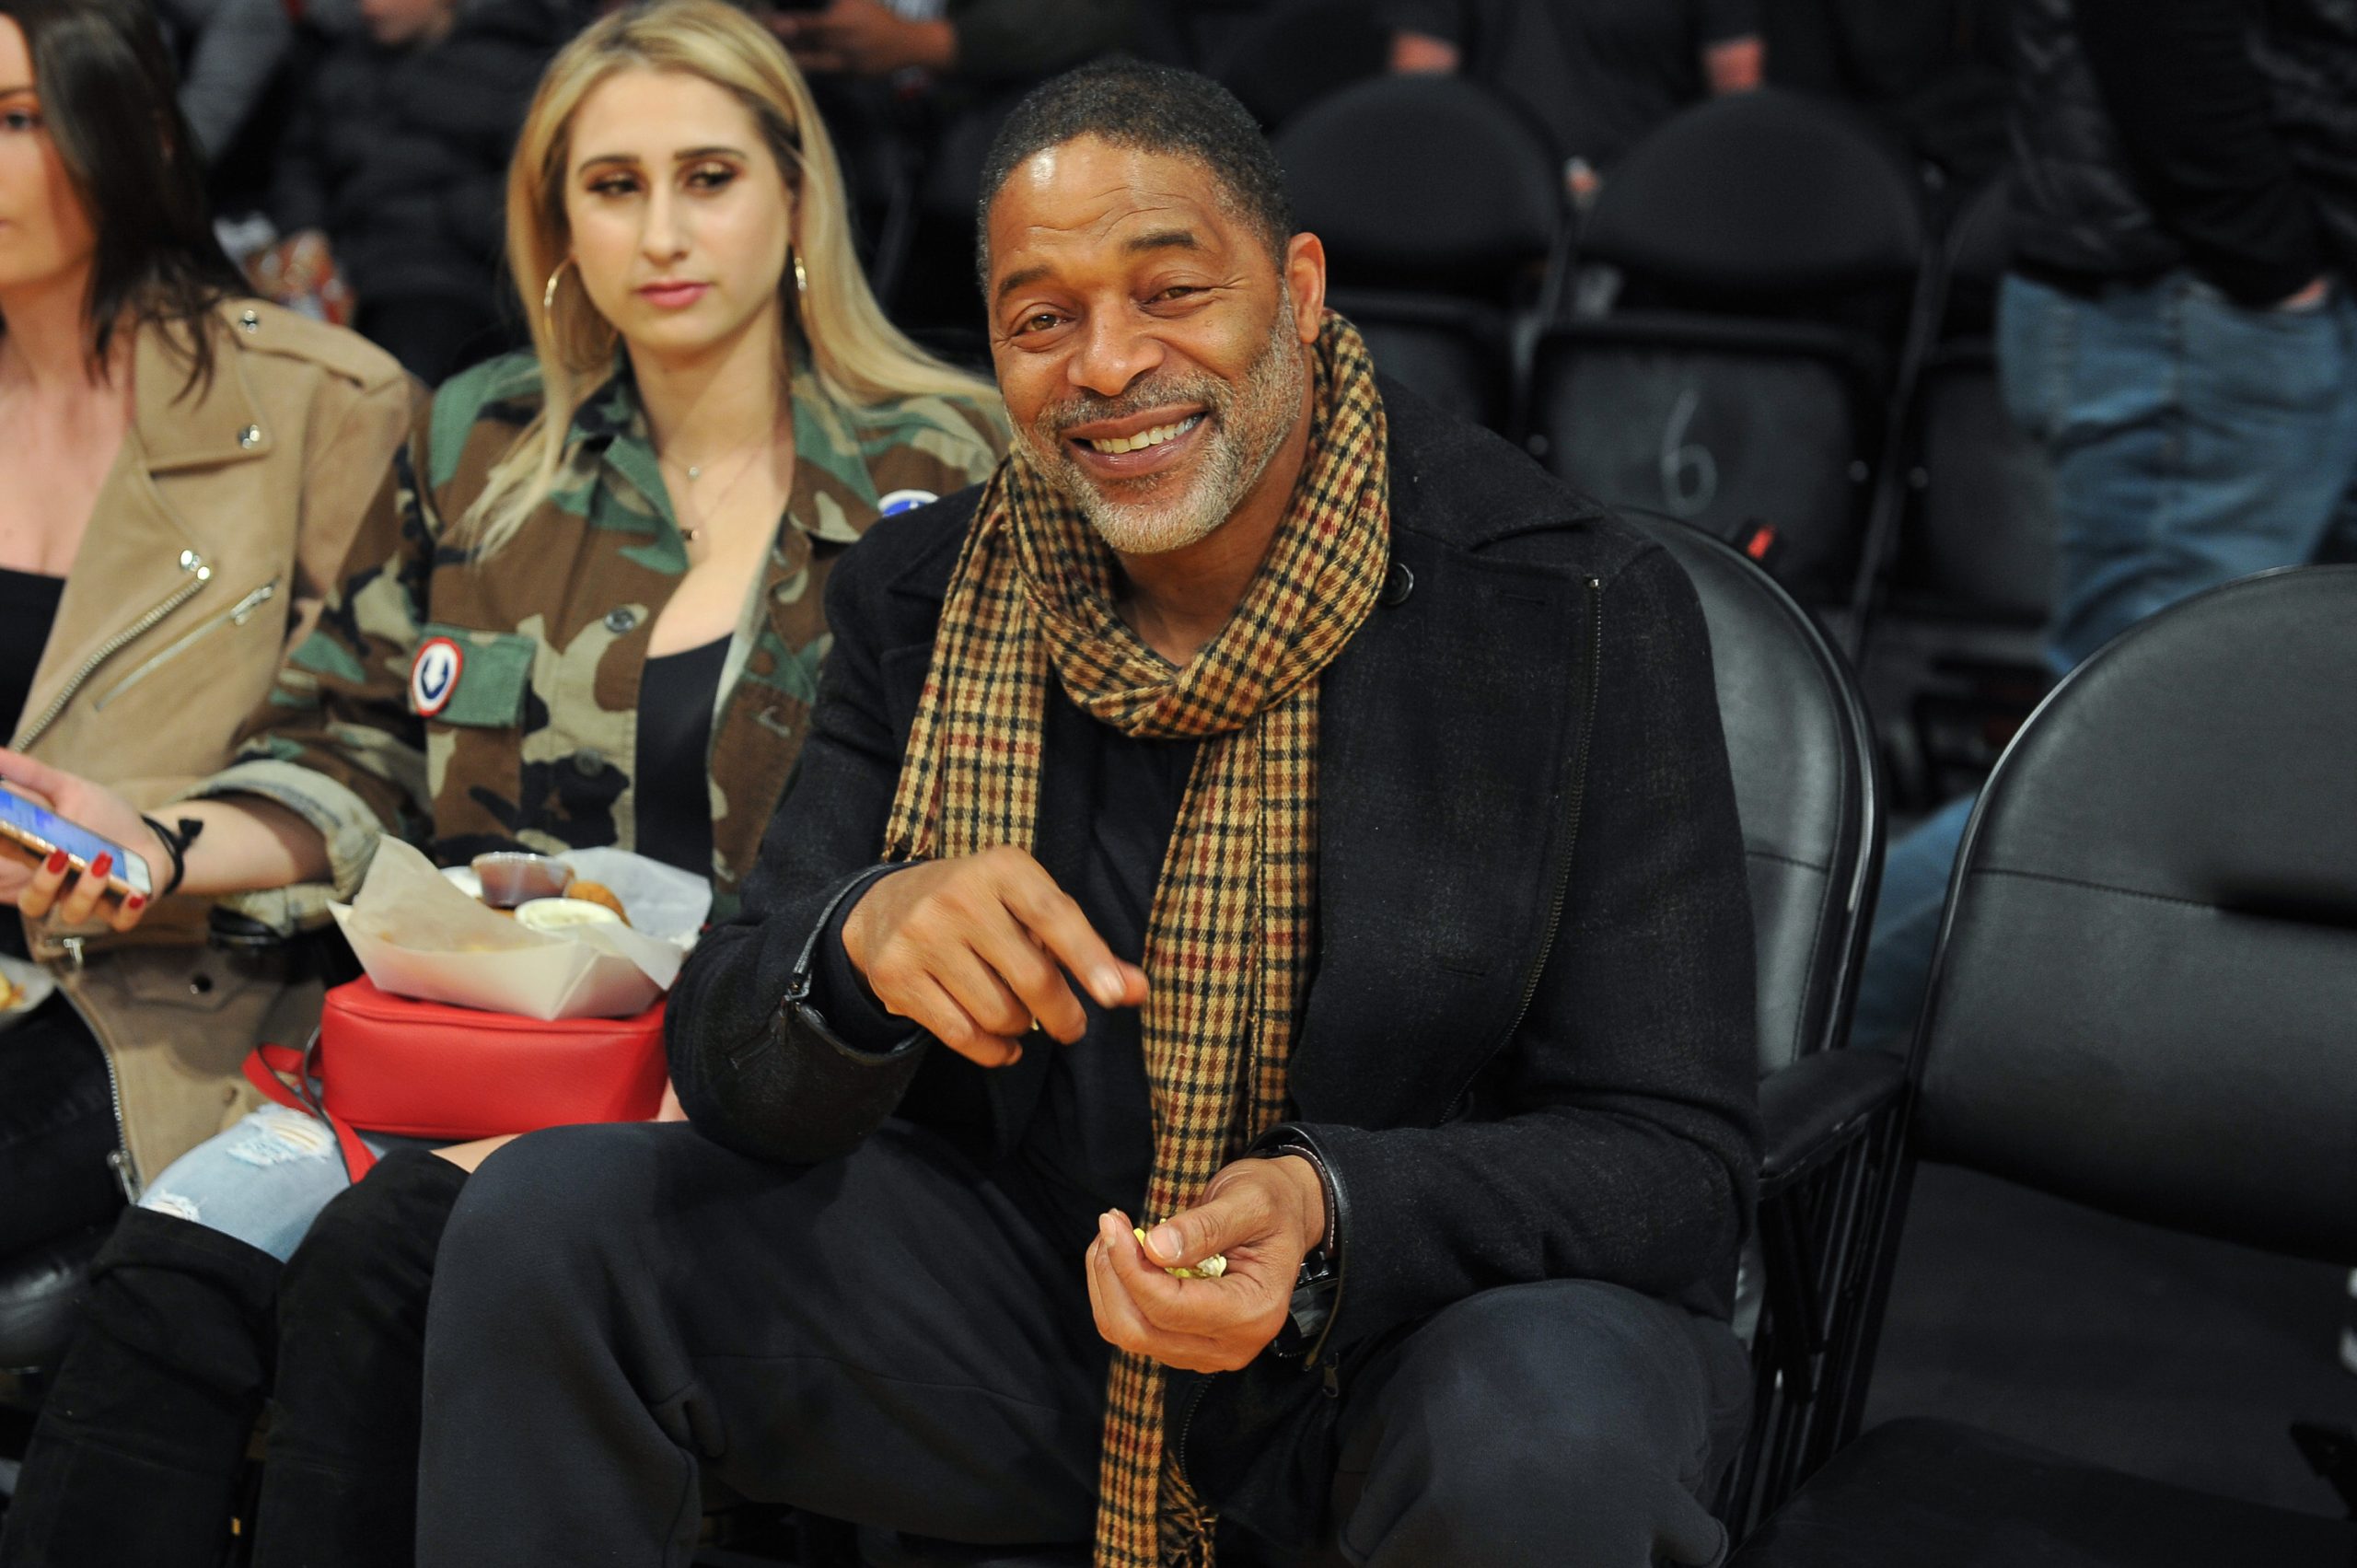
1234,909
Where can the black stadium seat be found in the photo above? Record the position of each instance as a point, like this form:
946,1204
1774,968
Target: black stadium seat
1955,656
41,1302
2142,1004
1983,534
1440,206
1773,263
1802,759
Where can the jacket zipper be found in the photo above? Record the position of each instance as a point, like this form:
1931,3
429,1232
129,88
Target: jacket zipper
237,614
199,574
1571,841
119,1160
125,1173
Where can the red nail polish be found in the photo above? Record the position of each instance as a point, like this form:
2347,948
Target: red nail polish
55,863
136,901
104,863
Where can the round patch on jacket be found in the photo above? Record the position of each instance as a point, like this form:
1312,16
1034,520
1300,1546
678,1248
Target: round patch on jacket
904,501
434,675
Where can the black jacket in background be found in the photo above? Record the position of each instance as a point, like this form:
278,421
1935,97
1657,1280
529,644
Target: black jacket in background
1527,1052
400,155
1010,42
2215,135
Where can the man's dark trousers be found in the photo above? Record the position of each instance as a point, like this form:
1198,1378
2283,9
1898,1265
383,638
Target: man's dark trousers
890,1338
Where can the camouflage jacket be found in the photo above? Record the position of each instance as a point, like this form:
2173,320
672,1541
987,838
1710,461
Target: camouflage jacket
469,703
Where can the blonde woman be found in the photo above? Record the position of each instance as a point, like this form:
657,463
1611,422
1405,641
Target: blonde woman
586,609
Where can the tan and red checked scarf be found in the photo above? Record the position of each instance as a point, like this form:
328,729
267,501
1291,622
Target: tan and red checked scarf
1234,910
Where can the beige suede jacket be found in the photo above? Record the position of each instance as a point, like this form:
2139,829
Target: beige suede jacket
223,521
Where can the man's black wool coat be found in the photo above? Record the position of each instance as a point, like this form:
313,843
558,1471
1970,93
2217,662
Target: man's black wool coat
1527,1048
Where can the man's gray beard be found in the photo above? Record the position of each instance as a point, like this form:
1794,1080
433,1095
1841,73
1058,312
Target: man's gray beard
1248,425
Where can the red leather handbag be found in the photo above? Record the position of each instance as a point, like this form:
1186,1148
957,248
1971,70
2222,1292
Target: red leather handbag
431,1070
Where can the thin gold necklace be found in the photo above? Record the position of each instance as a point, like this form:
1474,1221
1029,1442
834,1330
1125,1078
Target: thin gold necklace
769,448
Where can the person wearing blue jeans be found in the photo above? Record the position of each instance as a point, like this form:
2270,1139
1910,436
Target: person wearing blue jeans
2194,440
265,1179
2175,334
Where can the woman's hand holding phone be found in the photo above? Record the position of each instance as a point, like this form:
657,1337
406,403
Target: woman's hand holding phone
53,887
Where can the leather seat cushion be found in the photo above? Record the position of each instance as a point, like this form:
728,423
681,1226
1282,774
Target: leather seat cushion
40,1296
1926,1493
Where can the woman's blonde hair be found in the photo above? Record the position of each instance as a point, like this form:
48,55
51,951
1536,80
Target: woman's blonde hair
859,356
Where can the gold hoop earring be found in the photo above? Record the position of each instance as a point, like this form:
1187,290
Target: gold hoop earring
548,294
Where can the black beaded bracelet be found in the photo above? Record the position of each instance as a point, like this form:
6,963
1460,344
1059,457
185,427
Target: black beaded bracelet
175,845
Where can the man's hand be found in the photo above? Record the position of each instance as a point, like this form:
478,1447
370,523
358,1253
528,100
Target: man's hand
974,950
293,268
2310,297
1264,1215
1414,53
864,39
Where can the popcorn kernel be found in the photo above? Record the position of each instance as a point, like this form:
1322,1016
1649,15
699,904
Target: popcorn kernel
1210,1268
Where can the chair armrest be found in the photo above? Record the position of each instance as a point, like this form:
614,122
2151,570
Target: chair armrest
1816,1107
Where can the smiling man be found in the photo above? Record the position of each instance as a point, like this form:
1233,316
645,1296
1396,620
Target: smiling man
1239,1047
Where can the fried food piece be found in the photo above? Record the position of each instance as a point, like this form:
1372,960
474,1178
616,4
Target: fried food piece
10,993
599,894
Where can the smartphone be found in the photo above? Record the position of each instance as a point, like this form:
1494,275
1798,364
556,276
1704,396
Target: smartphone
38,831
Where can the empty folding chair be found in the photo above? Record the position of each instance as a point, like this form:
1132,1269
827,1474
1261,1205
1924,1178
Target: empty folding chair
1440,206
2142,1004
1771,258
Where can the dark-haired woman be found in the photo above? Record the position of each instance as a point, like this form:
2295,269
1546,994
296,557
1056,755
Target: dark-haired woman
181,469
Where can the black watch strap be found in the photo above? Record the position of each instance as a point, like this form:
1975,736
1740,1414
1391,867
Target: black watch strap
1320,1280
1330,1244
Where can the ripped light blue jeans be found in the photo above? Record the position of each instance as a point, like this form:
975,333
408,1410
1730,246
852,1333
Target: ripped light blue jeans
265,1179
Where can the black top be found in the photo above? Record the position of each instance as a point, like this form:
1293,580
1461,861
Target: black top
1600,74
1107,807
28,610
676,696
2199,128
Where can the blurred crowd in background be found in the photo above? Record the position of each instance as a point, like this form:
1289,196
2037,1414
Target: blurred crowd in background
356,148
